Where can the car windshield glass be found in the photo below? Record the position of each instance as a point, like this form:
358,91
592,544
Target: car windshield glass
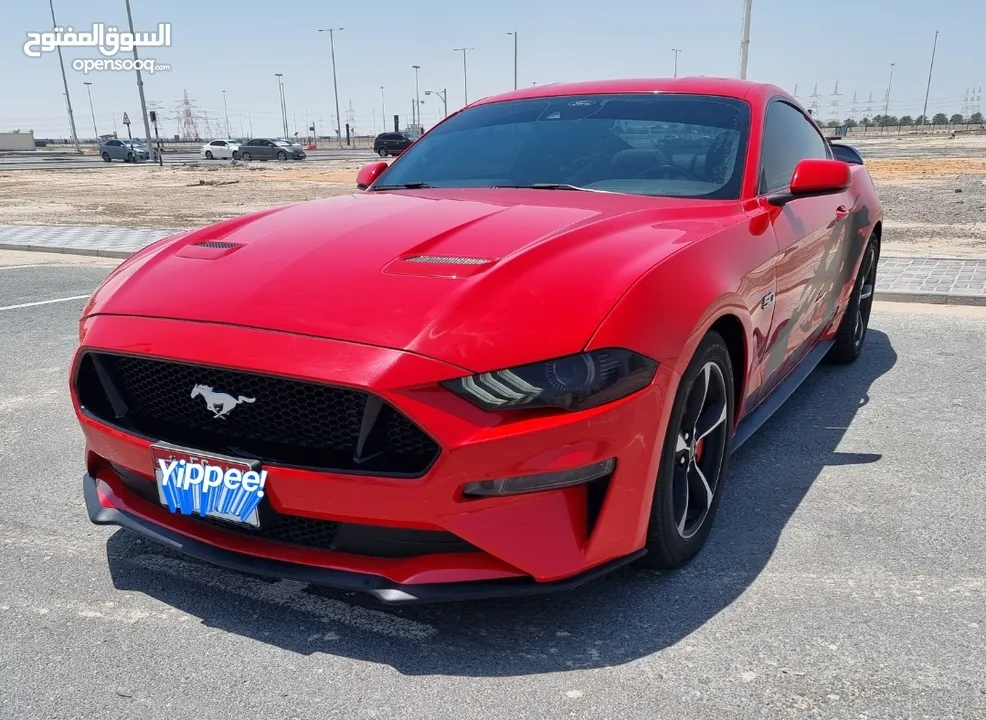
646,144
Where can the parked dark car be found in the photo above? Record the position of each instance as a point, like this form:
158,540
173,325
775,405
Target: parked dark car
391,143
127,150
271,149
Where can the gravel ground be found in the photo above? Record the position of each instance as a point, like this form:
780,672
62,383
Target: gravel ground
931,218
873,144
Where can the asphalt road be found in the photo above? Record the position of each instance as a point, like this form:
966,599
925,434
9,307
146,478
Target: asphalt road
71,162
845,577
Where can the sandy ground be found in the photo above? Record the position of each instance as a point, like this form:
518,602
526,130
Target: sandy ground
933,188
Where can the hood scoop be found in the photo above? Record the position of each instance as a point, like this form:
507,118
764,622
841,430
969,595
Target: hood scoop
208,249
450,266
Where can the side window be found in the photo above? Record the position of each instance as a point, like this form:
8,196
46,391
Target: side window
789,137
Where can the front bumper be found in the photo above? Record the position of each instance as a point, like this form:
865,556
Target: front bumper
379,587
539,539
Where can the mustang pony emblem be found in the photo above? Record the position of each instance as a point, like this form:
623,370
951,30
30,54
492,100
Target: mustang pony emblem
220,404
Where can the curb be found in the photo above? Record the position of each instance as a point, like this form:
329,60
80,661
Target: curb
67,251
918,296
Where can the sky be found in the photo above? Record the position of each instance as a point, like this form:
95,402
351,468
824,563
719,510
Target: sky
238,46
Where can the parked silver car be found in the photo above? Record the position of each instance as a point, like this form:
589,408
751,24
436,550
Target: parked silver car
126,150
271,149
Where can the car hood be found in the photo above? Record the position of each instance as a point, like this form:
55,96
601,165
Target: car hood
482,279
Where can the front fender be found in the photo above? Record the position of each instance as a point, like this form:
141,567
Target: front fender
668,311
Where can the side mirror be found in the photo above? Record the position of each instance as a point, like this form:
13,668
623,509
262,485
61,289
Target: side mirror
368,173
812,178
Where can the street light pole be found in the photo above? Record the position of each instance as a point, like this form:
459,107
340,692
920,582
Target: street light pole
675,51
924,115
91,111
886,104
514,33
745,42
465,74
417,98
140,83
335,84
383,108
71,117
280,93
226,108
443,95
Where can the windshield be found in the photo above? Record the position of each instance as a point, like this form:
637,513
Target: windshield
284,143
645,144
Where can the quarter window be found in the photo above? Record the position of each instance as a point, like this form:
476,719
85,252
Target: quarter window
789,137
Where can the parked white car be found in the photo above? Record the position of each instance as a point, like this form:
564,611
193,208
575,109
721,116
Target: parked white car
221,150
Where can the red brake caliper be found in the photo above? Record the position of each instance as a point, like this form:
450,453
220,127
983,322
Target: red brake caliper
699,447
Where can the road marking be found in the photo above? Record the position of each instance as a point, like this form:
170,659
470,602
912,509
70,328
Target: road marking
289,595
44,302
18,267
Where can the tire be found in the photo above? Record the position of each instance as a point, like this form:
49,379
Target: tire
236,155
245,156
850,335
208,154
106,157
681,517
383,152
281,155
130,158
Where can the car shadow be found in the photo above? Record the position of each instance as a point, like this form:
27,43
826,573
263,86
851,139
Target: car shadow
622,617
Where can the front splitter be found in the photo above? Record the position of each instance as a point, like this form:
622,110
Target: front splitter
379,587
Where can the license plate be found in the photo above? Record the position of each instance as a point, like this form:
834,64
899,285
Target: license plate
195,483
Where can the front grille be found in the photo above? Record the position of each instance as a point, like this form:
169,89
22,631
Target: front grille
277,420
351,538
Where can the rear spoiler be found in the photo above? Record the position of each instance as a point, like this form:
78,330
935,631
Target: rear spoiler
846,153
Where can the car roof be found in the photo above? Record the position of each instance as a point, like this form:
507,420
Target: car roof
722,86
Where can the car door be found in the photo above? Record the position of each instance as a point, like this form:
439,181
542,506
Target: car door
115,149
810,234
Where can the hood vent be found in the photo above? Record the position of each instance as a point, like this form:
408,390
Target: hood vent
208,249
217,244
447,260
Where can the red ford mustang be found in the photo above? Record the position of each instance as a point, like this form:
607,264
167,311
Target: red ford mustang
518,357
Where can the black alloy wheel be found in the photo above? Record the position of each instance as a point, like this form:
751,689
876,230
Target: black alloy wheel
695,458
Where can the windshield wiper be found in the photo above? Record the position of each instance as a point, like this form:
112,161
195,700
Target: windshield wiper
402,186
545,186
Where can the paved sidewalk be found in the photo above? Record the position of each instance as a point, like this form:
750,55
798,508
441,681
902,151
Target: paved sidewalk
104,241
903,279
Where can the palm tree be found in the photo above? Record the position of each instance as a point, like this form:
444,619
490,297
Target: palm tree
956,119
921,120
851,123
907,120
940,119
976,119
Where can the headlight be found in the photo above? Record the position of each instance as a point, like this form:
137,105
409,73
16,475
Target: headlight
574,382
